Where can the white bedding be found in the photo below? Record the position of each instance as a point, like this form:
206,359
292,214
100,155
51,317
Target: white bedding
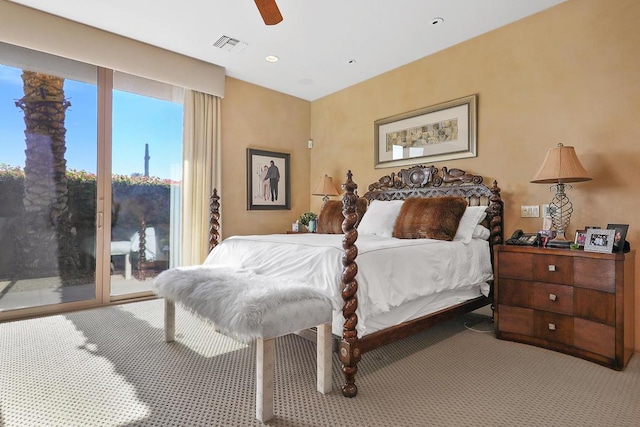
391,271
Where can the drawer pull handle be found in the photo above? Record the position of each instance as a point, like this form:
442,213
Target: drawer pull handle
552,326
552,267
553,297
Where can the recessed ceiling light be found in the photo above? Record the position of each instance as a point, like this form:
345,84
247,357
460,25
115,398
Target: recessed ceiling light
436,21
272,58
351,61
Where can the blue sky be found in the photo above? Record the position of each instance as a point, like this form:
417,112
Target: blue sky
137,120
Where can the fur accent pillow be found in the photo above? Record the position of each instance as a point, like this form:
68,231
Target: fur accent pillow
330,218
432,218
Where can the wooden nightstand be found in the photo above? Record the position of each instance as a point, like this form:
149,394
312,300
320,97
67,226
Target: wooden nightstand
579,303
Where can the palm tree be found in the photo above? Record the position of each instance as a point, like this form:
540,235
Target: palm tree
45,243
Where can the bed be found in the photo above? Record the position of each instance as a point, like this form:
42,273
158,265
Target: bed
385,288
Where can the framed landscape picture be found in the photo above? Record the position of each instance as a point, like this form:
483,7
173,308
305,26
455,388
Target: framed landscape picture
619,237
440,132
268,180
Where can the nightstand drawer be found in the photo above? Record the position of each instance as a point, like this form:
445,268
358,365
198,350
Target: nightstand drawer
595,337
514,293
597,274
515,265
555,298
553,269
517,320
594,305
553,327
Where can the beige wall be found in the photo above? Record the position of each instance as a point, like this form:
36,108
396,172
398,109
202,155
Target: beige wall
570,74
255,117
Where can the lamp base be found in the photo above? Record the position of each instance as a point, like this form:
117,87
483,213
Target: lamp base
558,243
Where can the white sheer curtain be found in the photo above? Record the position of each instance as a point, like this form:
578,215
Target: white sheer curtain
200,173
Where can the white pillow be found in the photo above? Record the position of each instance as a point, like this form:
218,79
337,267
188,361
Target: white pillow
380,217
472,216
481,232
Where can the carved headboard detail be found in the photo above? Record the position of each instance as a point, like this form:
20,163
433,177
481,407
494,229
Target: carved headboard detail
429,181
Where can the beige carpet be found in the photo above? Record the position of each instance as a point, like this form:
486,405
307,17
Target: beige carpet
111,367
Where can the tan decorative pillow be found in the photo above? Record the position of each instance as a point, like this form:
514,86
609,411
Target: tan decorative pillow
434,218
330,218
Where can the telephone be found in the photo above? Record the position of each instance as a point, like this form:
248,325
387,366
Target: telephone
524,239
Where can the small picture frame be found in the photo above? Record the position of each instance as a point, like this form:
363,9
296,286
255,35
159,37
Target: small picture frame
599,240
620,236
581,237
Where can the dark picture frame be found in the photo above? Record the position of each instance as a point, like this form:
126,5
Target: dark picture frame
599,240
259,194
620,237
446,131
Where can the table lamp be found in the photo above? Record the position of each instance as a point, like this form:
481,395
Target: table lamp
560,166
325,188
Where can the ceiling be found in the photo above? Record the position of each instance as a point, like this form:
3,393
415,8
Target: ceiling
323,46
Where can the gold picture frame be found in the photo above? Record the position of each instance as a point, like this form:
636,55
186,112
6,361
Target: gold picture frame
445,131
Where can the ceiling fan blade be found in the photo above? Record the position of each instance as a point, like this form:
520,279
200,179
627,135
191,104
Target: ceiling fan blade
269,11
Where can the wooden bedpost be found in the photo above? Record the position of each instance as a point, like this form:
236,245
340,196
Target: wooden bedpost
349,346
496,235
214,218
496,206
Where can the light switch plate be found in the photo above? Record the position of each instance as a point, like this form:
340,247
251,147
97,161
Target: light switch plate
531,211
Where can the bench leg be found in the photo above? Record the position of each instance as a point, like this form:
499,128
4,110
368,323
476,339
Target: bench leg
323,358
169,320
265,357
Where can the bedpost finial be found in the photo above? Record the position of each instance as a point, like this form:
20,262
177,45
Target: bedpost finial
349,186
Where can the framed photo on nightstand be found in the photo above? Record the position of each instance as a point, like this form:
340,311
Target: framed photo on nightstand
619,237
581,237
599,240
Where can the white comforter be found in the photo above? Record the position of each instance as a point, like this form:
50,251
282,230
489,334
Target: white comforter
390,271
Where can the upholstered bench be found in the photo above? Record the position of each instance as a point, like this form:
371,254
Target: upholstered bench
250,306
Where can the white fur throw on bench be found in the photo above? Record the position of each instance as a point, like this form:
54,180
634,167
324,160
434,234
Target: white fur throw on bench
249,305
238,302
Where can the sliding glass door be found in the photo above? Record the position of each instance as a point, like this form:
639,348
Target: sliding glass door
48,181
147,169
90,171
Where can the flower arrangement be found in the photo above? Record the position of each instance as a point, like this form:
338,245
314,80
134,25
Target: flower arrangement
306,217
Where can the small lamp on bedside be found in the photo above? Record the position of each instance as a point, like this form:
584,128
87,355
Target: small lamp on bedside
325,188
560,166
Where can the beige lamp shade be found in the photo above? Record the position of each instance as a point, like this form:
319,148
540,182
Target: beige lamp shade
325,187
561,165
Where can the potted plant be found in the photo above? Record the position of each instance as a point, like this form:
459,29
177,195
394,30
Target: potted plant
309,219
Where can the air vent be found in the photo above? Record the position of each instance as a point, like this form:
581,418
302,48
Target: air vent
230,44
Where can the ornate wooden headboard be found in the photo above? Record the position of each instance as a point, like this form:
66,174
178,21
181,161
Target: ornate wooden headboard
429,181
